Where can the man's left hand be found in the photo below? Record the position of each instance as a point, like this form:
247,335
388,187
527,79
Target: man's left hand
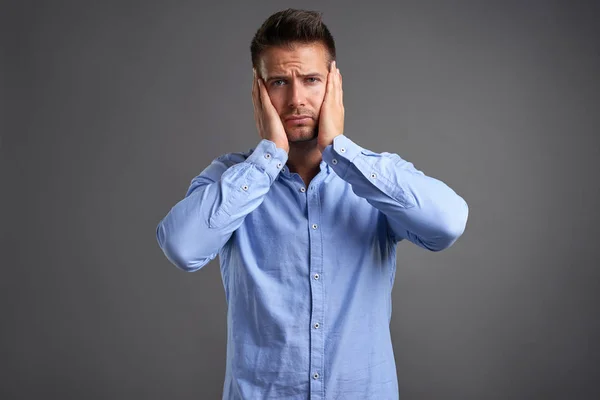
331,117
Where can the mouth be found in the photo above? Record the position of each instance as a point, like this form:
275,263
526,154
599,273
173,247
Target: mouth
298,119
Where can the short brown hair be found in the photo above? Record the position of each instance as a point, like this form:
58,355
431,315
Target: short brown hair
289,27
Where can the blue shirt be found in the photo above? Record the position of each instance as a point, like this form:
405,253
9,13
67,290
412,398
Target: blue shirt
308,271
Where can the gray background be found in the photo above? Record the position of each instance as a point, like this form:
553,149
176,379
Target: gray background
110,109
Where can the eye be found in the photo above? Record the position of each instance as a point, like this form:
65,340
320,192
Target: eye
311,79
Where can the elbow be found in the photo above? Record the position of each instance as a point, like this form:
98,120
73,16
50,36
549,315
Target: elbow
453,227
176,253
180,259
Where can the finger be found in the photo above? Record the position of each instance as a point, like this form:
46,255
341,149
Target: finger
336,81
255,102
255,99
330,78
253,86
339,84
336,85
264,95
260,93
253,83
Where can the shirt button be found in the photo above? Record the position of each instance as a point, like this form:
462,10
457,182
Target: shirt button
373,175
316,375
317,325
334,161
343,150
245,187
268,155
314,226
302,189
316,276
279,165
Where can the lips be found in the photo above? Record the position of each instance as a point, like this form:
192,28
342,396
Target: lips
298,121
294,117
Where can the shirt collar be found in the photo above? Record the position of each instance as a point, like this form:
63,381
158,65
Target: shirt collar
322,165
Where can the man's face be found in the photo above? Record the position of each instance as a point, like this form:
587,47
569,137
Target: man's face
296,81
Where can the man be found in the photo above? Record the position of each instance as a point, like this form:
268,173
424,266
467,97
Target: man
306,226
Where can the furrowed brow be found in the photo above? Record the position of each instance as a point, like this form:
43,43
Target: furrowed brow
276,77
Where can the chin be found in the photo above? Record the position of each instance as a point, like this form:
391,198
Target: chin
302,135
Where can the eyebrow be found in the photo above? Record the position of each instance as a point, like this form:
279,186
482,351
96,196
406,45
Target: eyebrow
275,77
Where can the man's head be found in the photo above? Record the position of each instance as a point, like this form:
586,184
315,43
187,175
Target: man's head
291,52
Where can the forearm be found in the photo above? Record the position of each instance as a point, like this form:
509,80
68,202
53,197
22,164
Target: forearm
215,205
418,207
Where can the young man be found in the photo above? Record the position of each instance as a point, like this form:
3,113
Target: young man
306,226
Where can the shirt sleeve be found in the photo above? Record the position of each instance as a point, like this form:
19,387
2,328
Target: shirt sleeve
215,204
419,208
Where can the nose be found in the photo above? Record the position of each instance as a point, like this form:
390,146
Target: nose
296,95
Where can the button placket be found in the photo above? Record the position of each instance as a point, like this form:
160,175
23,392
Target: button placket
317,291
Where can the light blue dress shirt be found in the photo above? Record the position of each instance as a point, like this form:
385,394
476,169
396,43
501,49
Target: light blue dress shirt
308,271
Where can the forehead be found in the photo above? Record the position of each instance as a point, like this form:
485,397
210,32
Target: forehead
312,56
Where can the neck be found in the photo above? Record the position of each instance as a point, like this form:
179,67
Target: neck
304,158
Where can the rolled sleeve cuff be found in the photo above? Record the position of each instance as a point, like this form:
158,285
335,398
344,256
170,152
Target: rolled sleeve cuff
340,154
268,157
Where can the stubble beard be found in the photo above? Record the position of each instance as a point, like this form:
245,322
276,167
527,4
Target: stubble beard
303,134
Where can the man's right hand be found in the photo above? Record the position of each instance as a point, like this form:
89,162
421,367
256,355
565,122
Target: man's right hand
267,119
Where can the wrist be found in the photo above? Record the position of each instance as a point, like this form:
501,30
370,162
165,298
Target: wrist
323,146
284,146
